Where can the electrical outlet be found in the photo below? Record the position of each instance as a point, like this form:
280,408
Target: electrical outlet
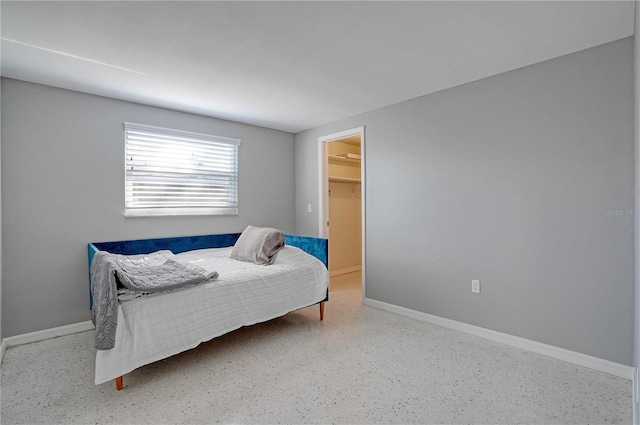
475,286
308,207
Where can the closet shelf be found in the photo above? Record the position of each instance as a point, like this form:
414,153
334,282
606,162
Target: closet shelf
343,159
343,179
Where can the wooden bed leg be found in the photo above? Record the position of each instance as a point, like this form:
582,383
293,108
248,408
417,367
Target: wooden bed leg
118,381
322,311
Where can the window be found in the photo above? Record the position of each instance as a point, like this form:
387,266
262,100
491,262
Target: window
173,172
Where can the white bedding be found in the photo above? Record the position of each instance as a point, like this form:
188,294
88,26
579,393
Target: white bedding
156,327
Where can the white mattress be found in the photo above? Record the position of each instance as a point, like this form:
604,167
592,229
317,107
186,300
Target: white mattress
156,327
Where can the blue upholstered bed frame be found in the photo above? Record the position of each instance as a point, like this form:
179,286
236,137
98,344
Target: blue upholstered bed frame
315,246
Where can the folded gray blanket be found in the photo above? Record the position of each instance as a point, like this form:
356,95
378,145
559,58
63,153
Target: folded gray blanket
259,245
146,273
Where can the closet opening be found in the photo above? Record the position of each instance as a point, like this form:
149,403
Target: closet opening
342,212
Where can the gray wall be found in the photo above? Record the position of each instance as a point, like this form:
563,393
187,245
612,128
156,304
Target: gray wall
636,74
523,180
63,186
1,334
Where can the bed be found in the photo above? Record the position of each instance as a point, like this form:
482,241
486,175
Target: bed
158,326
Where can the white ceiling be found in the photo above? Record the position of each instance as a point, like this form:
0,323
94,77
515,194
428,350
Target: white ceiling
290,65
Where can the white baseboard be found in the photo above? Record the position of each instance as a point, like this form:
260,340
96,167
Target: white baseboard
3,348
602,365
345,271
28,338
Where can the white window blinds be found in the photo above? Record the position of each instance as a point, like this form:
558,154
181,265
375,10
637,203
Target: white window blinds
173,172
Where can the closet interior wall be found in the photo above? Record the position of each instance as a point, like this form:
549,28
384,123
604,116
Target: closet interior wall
345,205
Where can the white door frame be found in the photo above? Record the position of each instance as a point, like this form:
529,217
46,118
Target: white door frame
323,187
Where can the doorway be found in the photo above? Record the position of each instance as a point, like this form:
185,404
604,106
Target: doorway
342,207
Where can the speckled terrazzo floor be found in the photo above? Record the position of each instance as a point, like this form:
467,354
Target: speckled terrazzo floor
360,365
